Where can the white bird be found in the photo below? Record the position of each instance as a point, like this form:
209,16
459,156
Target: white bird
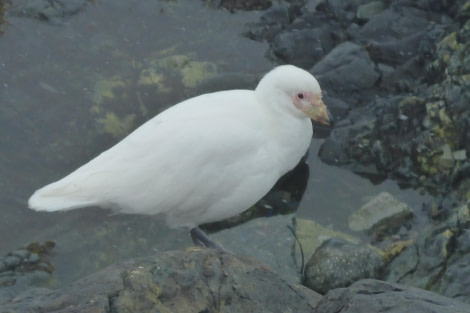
204,159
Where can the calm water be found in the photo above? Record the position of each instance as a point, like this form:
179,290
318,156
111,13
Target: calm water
48,121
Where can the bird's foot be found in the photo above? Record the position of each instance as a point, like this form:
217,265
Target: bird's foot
201,239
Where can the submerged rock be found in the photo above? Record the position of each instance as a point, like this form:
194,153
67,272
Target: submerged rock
382,214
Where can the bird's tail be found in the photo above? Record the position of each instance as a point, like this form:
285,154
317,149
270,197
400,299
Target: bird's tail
59,196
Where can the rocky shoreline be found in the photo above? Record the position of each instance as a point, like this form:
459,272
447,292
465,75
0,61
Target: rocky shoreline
396,77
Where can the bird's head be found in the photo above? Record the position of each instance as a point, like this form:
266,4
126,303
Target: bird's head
300,88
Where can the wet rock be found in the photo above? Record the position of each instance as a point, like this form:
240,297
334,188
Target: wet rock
382,214
337,107
334,71
52,11
455,282
377,296
463,215
271,241
271,23
344,11
312,235
403,265
424,263
33,257
245,5
350,140
338,263
368,10
301,48
24,267
401,48
195,280
305,41
394,35
268,240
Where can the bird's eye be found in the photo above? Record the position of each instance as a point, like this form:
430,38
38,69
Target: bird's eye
300,95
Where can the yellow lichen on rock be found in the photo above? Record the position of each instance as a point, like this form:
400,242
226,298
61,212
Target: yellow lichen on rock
115,126
192,72
152,76
105,88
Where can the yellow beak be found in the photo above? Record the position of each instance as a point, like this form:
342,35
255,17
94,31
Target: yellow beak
318,112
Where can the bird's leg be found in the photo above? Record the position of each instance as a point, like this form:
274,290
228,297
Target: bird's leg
200,238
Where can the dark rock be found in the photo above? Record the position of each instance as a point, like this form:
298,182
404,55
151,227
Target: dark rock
423,264
455,282
403,265
196,280
339,263
245,5
454,277
305,40
266,239
52,11
441,6
368,10
351,140
271,23
377,296
394,35
33,257
11,261
344,11
347,70
337,107
302,48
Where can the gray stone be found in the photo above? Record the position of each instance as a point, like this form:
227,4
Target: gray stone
301,48
52,11
382,297
423,264
455,282
267,239
446,161
381,214
339,263
270,241
366,11
460,155
22,254
347,68
403,265
195,280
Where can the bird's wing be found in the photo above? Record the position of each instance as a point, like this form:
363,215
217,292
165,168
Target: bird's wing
196,154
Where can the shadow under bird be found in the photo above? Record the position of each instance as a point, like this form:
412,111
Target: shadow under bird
203,160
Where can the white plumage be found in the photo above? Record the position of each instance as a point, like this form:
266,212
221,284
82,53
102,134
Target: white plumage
204,159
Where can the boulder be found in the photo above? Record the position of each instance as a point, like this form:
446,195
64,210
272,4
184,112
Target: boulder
194,280
376,296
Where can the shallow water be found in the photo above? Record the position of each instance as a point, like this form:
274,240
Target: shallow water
48,76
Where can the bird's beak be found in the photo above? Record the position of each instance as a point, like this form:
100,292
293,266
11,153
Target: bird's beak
317,111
